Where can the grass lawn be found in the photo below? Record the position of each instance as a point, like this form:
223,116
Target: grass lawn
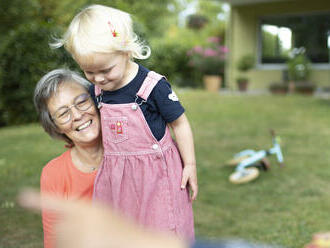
284,206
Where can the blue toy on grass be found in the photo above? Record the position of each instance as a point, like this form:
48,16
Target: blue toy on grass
247,161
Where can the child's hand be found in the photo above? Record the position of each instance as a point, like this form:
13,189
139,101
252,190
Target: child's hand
189,175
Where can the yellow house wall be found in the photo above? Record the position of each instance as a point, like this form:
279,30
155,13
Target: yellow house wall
243,36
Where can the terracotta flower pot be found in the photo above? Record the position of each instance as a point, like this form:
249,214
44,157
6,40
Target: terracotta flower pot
212,82
242,85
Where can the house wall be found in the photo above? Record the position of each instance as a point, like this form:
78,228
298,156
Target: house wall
243,37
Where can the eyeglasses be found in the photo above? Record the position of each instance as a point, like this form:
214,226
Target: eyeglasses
64,114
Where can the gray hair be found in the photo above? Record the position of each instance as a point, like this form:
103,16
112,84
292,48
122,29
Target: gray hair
45,89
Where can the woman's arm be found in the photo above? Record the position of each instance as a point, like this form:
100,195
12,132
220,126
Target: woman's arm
184,138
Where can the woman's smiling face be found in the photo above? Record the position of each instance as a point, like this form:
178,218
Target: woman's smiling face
83,128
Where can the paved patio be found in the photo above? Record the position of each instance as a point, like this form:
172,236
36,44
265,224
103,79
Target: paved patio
319,93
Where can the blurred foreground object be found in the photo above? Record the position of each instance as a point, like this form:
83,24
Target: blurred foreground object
86,225
320,240
83,225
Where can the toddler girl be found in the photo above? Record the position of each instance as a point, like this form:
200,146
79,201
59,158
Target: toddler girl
144,173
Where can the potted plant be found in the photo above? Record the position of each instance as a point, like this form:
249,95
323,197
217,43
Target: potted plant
196,21
209,60
298,72
244,64
278,88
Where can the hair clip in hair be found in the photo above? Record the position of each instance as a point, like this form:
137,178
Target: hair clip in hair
113,31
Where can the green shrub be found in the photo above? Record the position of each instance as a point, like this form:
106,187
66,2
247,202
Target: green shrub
170,58
298,65
26,57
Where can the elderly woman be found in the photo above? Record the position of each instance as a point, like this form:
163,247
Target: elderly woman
67,112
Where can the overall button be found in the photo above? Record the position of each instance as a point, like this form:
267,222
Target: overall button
134,106
155,146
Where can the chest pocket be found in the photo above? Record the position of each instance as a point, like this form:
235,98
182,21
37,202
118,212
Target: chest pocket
114,129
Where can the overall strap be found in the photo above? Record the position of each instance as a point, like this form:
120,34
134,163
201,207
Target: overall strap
148,84
98,96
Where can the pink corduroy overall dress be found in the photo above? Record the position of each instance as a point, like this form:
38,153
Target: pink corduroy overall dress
141,176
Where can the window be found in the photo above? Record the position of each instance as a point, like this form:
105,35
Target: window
280,34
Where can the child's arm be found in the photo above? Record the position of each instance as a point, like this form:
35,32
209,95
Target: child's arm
184,139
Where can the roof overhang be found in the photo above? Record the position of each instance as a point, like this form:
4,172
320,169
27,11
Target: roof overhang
249,2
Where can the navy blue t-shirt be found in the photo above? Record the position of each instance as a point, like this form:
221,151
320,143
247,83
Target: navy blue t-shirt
162,106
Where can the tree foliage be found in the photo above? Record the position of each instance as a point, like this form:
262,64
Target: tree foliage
26,58
26,55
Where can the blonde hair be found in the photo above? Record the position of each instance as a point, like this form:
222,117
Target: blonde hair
102,29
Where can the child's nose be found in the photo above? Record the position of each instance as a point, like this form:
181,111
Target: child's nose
99,78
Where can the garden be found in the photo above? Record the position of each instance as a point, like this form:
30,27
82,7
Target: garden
284,206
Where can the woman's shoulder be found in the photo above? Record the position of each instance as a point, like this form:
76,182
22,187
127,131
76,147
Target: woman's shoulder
53,178
55,167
